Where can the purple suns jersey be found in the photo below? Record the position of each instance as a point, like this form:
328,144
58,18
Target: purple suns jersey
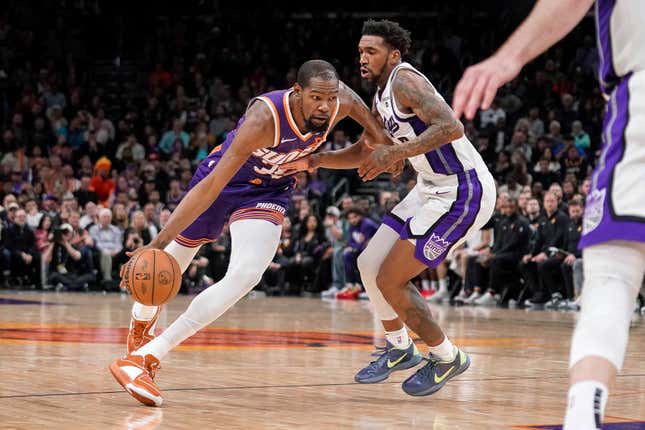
263,167
259,190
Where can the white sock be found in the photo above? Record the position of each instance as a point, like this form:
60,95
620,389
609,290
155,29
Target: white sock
433,285
399,338
443,284
446,351
586,405
142,312
425,285
181,329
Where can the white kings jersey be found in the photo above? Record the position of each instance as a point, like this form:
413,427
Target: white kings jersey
452,158
621,32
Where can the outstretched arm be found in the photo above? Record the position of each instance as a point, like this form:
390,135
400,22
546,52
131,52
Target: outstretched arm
346,158
256,132
415,94
548,22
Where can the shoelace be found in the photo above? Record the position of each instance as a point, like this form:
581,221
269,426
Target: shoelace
137,333
152,369
379,350
138,329
425,369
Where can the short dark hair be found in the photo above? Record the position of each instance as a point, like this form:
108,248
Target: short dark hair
354,210
315,69
391,32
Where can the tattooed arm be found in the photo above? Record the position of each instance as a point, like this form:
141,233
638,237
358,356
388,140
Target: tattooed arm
414,94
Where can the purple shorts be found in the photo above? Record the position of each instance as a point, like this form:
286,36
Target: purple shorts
237,201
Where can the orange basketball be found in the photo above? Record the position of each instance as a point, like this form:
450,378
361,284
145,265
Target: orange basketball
152,277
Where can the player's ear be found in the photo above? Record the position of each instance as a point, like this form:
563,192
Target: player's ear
395,56
297,89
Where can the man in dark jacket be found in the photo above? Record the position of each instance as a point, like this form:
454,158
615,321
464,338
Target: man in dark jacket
512,234
572,263
20,254
538,267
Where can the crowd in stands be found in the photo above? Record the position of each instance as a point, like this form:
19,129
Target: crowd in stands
92,163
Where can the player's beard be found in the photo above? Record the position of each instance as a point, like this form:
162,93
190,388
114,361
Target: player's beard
313,127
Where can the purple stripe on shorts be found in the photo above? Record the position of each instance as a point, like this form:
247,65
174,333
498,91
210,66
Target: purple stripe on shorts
435,245
608,78
601,223
613,130
451,158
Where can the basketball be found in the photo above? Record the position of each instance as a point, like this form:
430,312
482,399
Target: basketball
152,277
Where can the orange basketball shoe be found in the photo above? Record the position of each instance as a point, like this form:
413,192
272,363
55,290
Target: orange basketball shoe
141,332
135,375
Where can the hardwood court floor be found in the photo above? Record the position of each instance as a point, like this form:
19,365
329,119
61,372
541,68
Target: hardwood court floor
287,363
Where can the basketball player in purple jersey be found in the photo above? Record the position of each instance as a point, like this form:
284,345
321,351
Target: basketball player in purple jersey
613,235
240,181
454,197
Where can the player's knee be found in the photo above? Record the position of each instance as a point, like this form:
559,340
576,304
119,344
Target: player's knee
367,265
384,281
246,276
603,326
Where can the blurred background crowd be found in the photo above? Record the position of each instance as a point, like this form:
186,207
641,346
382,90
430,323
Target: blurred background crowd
105,118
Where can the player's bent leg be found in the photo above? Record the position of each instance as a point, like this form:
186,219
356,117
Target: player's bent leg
446,360
254,243
369,262
613,273
144,318
400,352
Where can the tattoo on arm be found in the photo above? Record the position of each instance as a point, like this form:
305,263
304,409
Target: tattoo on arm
413,93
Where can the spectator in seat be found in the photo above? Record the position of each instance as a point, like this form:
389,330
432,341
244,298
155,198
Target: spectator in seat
108,239
359,234
101,183
540,270
336,237
21,258
33,214
69,267
572,263
581,138
512,233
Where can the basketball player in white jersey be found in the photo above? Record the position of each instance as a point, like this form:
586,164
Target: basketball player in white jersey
454,197
613,233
